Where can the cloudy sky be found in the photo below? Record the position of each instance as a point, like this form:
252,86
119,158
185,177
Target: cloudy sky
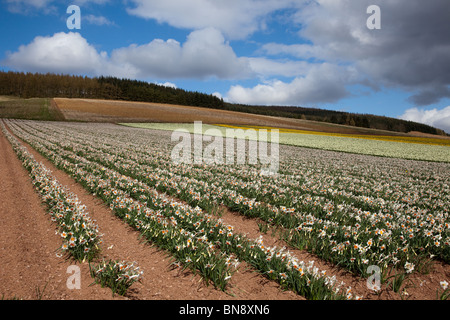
312,53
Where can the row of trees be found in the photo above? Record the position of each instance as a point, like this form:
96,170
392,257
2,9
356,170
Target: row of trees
32,85
361,120
36,85
339,117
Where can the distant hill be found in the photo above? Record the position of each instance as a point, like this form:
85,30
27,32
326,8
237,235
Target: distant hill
37,85
339,117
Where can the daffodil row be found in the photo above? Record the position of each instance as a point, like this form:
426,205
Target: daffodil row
363,223
413,225
274,263
79,232
338,232
190,251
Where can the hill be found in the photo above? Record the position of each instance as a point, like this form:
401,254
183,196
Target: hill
36,85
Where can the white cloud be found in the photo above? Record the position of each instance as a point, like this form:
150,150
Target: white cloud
409,52
217,95
433,117
205,54
168,84
322,83
235,18
60,53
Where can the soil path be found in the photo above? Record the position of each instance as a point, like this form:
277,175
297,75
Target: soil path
28,242
29,267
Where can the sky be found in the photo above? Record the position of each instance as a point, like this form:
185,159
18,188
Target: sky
382,57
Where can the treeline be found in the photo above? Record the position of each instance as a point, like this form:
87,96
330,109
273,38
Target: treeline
37,85
339,117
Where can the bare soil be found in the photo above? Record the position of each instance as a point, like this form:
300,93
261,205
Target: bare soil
95,110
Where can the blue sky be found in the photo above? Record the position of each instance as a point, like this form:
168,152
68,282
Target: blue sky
312,53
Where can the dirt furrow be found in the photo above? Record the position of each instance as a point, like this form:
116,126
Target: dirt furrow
29,266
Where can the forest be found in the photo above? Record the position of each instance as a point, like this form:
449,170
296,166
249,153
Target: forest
49,85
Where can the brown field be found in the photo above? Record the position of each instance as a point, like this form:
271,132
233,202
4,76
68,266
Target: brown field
94,110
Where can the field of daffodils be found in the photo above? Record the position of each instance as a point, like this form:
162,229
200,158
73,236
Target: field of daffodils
380,218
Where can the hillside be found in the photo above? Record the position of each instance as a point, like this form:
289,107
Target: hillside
117,111
35,85
95,110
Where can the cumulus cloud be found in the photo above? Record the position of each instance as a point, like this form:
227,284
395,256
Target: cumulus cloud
204,54
217,95
409,52
168,84
433,117
322,83
235,18
335,48
60,53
